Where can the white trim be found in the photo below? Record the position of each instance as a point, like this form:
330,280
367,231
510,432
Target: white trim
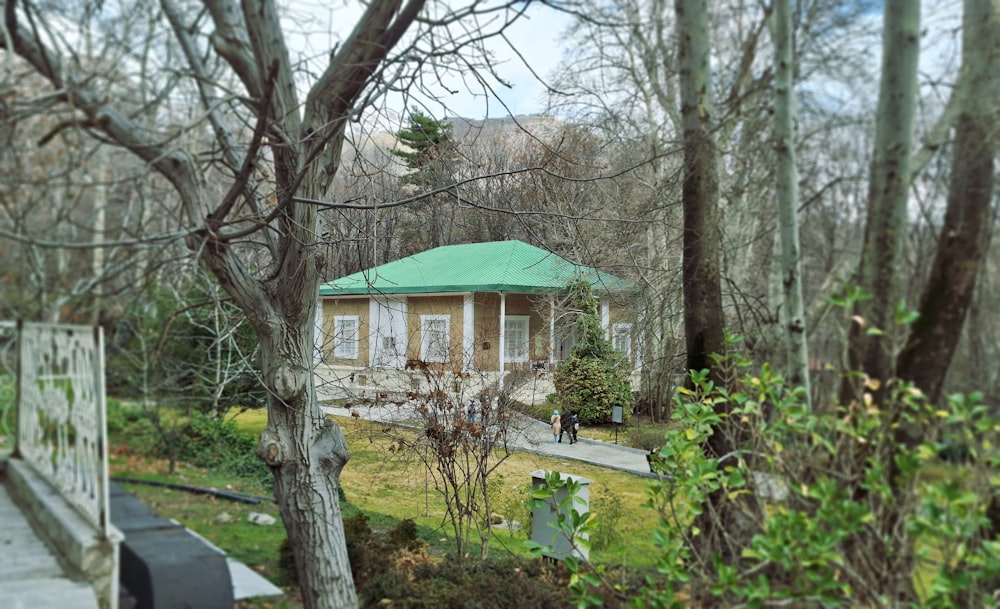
340,341
387,320
425,344
513,357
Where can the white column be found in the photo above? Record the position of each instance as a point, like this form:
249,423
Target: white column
606,318
468,332
318,334
503,335
552,328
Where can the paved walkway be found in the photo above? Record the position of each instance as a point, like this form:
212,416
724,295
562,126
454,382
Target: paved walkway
530,436
32,578
30,575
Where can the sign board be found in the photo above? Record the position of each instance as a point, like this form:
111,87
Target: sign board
616,414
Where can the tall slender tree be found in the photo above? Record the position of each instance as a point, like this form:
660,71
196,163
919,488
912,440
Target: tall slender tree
724,523
786,187
872,337
968,221
703,319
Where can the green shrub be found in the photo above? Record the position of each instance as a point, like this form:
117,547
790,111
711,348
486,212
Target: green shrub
609,510
221,445
120,419
133,426
833,481
646,438
591,388
7,414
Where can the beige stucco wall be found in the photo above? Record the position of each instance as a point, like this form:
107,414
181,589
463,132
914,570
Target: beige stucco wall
487,324
452,306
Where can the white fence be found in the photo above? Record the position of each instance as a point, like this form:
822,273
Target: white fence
61,428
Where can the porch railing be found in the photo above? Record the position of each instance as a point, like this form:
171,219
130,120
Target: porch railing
61,428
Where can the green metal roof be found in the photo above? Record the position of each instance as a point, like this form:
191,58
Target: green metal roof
497,266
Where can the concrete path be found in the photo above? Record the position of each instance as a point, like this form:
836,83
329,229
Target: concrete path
30,575
32,578
530,435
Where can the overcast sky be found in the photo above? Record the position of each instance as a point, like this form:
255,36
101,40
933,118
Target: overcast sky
313,29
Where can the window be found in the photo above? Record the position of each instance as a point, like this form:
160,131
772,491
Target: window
515,342
345,336
621,339
435,338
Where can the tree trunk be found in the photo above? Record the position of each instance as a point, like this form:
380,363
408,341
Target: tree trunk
703,318
968,221
306,453
881,555
725,524
870,342
787,191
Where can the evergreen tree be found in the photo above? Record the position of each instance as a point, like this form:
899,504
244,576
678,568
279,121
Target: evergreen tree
595,377
429,151
431,155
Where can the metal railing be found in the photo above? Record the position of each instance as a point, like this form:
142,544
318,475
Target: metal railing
61,427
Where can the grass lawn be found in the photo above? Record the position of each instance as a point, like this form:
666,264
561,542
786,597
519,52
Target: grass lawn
388,487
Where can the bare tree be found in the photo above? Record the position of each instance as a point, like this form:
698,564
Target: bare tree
872,341
968,222
275,146
703,317
787,191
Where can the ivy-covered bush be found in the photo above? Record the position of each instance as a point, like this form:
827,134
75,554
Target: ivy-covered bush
595,377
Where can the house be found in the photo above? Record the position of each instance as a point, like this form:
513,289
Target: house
478,315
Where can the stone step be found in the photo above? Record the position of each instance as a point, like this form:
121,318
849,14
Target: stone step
47,593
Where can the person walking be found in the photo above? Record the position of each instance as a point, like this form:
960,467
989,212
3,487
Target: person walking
574,427
556,426
566,426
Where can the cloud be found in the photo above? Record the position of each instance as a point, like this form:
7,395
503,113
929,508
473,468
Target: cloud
523,58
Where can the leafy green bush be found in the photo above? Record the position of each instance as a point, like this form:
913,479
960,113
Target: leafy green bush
7,414
133,426
609,510
646,438
119,418
833,482
841,509
221,445
591,388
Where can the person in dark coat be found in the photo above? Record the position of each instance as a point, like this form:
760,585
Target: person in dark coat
566,425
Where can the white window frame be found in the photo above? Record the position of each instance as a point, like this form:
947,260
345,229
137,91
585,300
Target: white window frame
346,346
618,331
427,353
516,352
